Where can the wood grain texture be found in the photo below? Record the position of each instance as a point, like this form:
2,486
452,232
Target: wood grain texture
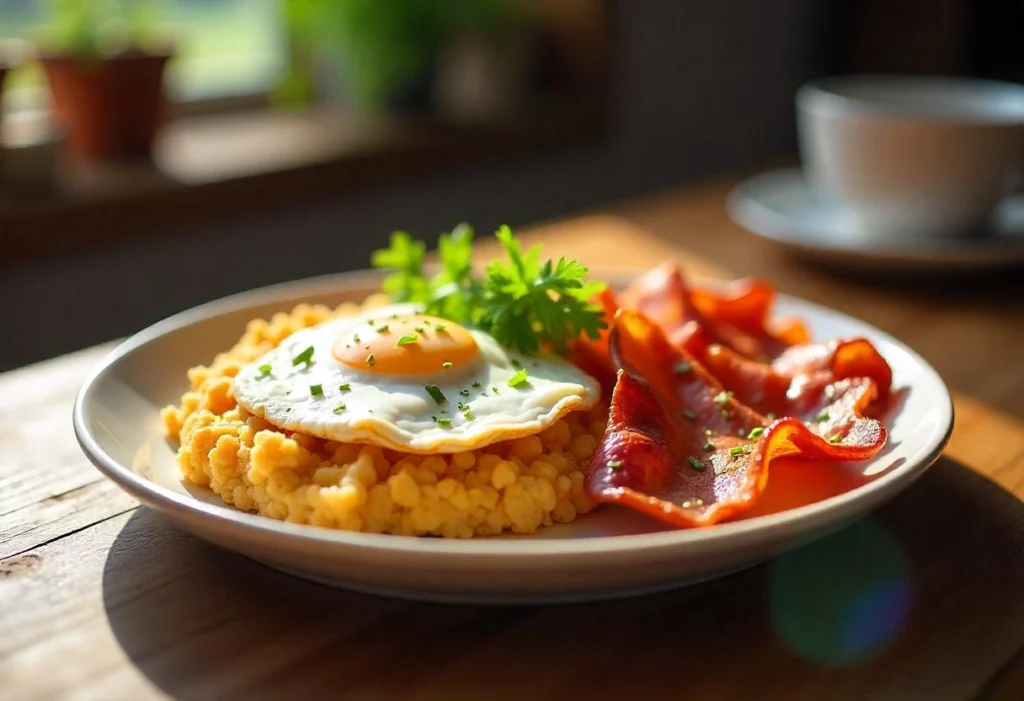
101,600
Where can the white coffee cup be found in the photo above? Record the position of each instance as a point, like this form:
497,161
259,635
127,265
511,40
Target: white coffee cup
912,156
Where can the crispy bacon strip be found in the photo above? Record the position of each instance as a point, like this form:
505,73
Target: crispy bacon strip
673,448
844,359
737,315
800,374
592,356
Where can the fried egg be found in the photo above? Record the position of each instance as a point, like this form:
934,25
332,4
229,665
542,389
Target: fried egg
418,384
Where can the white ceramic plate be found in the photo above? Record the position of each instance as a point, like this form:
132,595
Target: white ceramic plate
610,552
782,207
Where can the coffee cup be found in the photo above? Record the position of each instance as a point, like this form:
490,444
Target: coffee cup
905,156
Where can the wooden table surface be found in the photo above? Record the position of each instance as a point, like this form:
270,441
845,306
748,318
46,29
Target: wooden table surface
101,599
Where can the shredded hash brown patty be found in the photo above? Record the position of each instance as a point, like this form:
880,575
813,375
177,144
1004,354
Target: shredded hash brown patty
518,485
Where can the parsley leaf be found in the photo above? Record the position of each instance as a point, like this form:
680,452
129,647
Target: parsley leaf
454,292
405,256
526,301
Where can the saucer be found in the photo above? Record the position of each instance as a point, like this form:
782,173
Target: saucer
781,206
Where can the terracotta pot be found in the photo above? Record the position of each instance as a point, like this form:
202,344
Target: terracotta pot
111,107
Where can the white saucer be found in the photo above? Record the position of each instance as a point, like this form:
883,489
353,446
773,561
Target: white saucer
779,205
611,552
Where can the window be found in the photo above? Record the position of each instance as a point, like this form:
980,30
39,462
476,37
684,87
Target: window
228,47
224,48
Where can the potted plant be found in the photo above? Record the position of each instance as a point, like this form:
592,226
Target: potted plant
105,68
380,56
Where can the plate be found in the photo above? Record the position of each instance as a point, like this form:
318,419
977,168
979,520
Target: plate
609,553
781,206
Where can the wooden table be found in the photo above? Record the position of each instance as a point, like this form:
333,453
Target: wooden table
101,599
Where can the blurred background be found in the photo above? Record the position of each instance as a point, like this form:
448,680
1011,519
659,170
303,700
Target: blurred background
160,153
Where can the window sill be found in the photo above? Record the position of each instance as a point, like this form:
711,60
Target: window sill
211,166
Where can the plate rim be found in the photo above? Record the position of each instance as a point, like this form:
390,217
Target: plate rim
859,500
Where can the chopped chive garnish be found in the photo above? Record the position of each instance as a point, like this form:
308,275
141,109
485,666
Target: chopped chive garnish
265,370
464,392
516,363
755,433
823,416
722,398
383,329
468,414
305,356
615,464
418,329
406,340
461,406
340,408
517,380
370,360
836,438
494,389
439,328
316,390
683,368
696,464
736,450
709,446
355,337
476,385
443,421
394,316
446,365
689,415
435,393
345,387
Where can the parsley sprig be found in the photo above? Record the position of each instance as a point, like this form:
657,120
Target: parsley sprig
405,256
521,301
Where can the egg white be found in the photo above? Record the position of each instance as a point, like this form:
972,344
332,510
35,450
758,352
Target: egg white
395,411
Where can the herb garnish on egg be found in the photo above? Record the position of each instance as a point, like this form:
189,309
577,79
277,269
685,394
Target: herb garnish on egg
435,393
305,356
518,380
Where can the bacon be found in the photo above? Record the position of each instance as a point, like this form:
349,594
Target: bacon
737,316
844,359
797,378
678,444
592,356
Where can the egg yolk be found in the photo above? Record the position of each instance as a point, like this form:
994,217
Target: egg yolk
406,345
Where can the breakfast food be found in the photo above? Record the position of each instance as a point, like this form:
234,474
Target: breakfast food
402,380
460,406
